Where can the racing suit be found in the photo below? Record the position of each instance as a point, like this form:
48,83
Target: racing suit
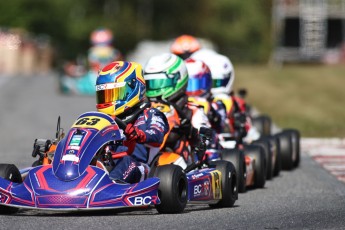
184,135
150,126
237,118
214,110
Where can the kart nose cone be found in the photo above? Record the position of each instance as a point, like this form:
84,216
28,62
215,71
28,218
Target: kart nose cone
67,172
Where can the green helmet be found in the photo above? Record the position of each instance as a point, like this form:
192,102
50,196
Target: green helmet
166,77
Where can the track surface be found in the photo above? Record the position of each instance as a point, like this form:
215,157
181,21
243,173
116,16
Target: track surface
306,198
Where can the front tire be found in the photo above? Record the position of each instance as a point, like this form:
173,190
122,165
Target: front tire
173,189
9,172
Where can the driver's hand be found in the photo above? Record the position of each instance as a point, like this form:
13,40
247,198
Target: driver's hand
134,134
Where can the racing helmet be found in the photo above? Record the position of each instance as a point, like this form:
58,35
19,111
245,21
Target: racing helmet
200,79
166,77
184,46
101,37
120,86
222,70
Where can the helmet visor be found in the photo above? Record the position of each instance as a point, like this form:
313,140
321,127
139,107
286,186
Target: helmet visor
160,80
199,83
111,92
221,82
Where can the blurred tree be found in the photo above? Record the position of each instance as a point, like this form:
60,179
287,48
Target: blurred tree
241,29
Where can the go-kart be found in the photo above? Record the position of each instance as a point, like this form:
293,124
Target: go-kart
72,174
288,139
77,177
201,174
239,117
249,160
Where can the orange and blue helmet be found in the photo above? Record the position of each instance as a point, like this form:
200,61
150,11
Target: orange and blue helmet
119,87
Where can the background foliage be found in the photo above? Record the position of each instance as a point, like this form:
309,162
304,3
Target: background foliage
240,29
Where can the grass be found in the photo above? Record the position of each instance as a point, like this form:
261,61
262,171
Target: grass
310,98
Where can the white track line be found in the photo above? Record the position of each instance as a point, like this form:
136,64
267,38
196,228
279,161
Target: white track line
329,153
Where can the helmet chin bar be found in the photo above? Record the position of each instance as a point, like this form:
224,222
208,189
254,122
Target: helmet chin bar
220,90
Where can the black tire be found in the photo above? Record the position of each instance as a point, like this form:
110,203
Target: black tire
275,151
236,157
258,153
295,138
173,189
278,163
285,142
229,183
265,143
9,172
263,124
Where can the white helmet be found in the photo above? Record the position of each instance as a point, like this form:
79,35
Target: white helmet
222,70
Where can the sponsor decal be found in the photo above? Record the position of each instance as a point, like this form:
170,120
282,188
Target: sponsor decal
150,131
73,147
197,189
110,86
216,184
76,139
196,176
206,188
142,200
129,170
202,189
70,157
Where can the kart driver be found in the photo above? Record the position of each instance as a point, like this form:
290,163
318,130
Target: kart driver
184,46
120,89
223,76
166,78
199,92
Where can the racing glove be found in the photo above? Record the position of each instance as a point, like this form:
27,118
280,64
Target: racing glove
134,134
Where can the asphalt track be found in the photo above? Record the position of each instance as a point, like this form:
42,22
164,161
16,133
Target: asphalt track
306,198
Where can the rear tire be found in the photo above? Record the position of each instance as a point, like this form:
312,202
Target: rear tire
265,143
278,163
229,184
173,189
285,142
275,151
263,124
236,157
258,153
9,172
295,138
